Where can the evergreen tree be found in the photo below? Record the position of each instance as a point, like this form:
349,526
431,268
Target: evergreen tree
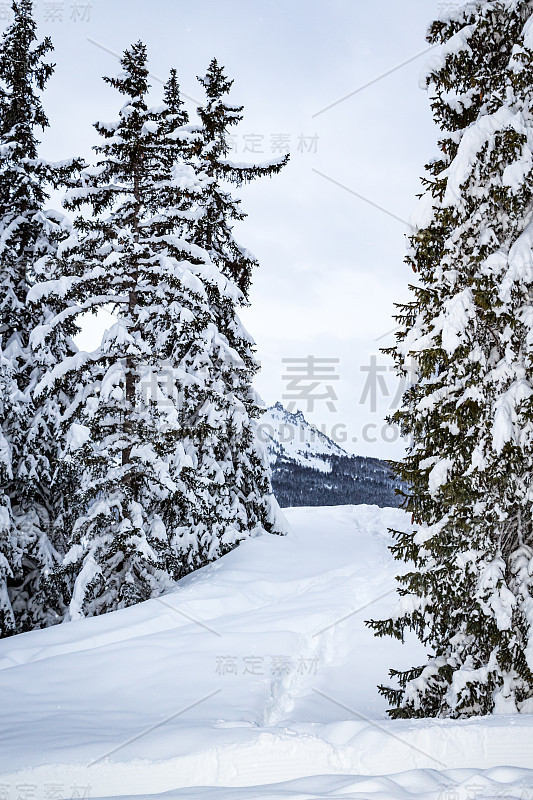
469,328
214,228
143,430
10,560
28,235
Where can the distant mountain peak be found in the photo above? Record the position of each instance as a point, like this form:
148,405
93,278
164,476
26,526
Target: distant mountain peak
310,469
290,436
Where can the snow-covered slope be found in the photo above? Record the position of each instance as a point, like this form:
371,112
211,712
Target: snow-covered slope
256,672
310,469
291,437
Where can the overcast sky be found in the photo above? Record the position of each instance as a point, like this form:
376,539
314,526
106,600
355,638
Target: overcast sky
331,263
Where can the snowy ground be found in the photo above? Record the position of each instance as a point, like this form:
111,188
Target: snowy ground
256,679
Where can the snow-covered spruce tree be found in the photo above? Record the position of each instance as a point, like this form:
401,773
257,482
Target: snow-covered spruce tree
212,230
240,500
29,444
50,477
147,421
469,329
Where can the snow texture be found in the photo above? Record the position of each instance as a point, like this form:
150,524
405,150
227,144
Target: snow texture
162,697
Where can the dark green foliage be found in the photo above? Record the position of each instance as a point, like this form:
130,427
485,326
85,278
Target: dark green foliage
468,415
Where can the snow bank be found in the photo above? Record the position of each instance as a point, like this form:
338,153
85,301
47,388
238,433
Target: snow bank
456,785
258,671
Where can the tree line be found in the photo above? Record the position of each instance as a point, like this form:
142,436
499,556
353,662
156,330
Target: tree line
124,468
